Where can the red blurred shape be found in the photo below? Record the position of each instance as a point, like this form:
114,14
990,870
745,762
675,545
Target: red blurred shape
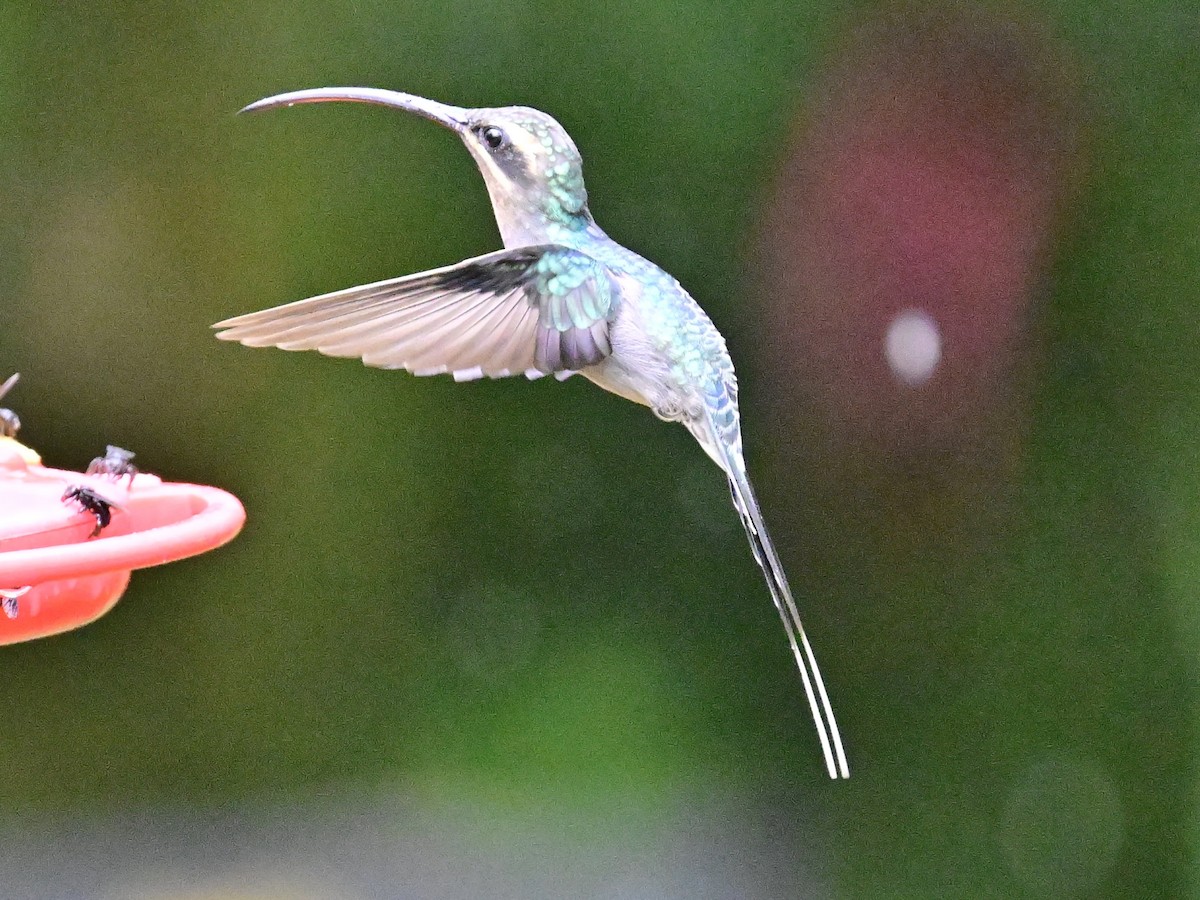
72,580
928,182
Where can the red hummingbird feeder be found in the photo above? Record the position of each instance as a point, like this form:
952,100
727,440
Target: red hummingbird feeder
69,541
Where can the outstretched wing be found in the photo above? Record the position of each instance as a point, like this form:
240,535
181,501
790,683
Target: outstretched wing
534,310
720,435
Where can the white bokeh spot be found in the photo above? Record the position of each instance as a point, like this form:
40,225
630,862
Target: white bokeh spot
913,346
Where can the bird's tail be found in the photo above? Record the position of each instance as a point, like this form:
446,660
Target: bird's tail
768,560
764,552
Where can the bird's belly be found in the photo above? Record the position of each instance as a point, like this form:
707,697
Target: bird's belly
615,379
648,380
642,367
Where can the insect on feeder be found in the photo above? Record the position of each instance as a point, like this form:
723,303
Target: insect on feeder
69,541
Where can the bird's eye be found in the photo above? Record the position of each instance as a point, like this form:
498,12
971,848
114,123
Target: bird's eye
493,137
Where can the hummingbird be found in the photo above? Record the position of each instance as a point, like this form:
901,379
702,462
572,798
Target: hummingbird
561,298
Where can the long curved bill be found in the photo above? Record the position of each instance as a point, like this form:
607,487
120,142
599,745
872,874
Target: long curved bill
452,117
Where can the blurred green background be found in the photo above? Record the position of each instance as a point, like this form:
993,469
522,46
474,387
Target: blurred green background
533,600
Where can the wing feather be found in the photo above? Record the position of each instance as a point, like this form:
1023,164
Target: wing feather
484,316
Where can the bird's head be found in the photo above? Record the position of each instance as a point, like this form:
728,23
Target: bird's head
533,171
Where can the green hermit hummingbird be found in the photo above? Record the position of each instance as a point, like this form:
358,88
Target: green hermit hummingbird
561,298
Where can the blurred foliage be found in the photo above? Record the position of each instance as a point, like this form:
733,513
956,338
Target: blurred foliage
536,592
